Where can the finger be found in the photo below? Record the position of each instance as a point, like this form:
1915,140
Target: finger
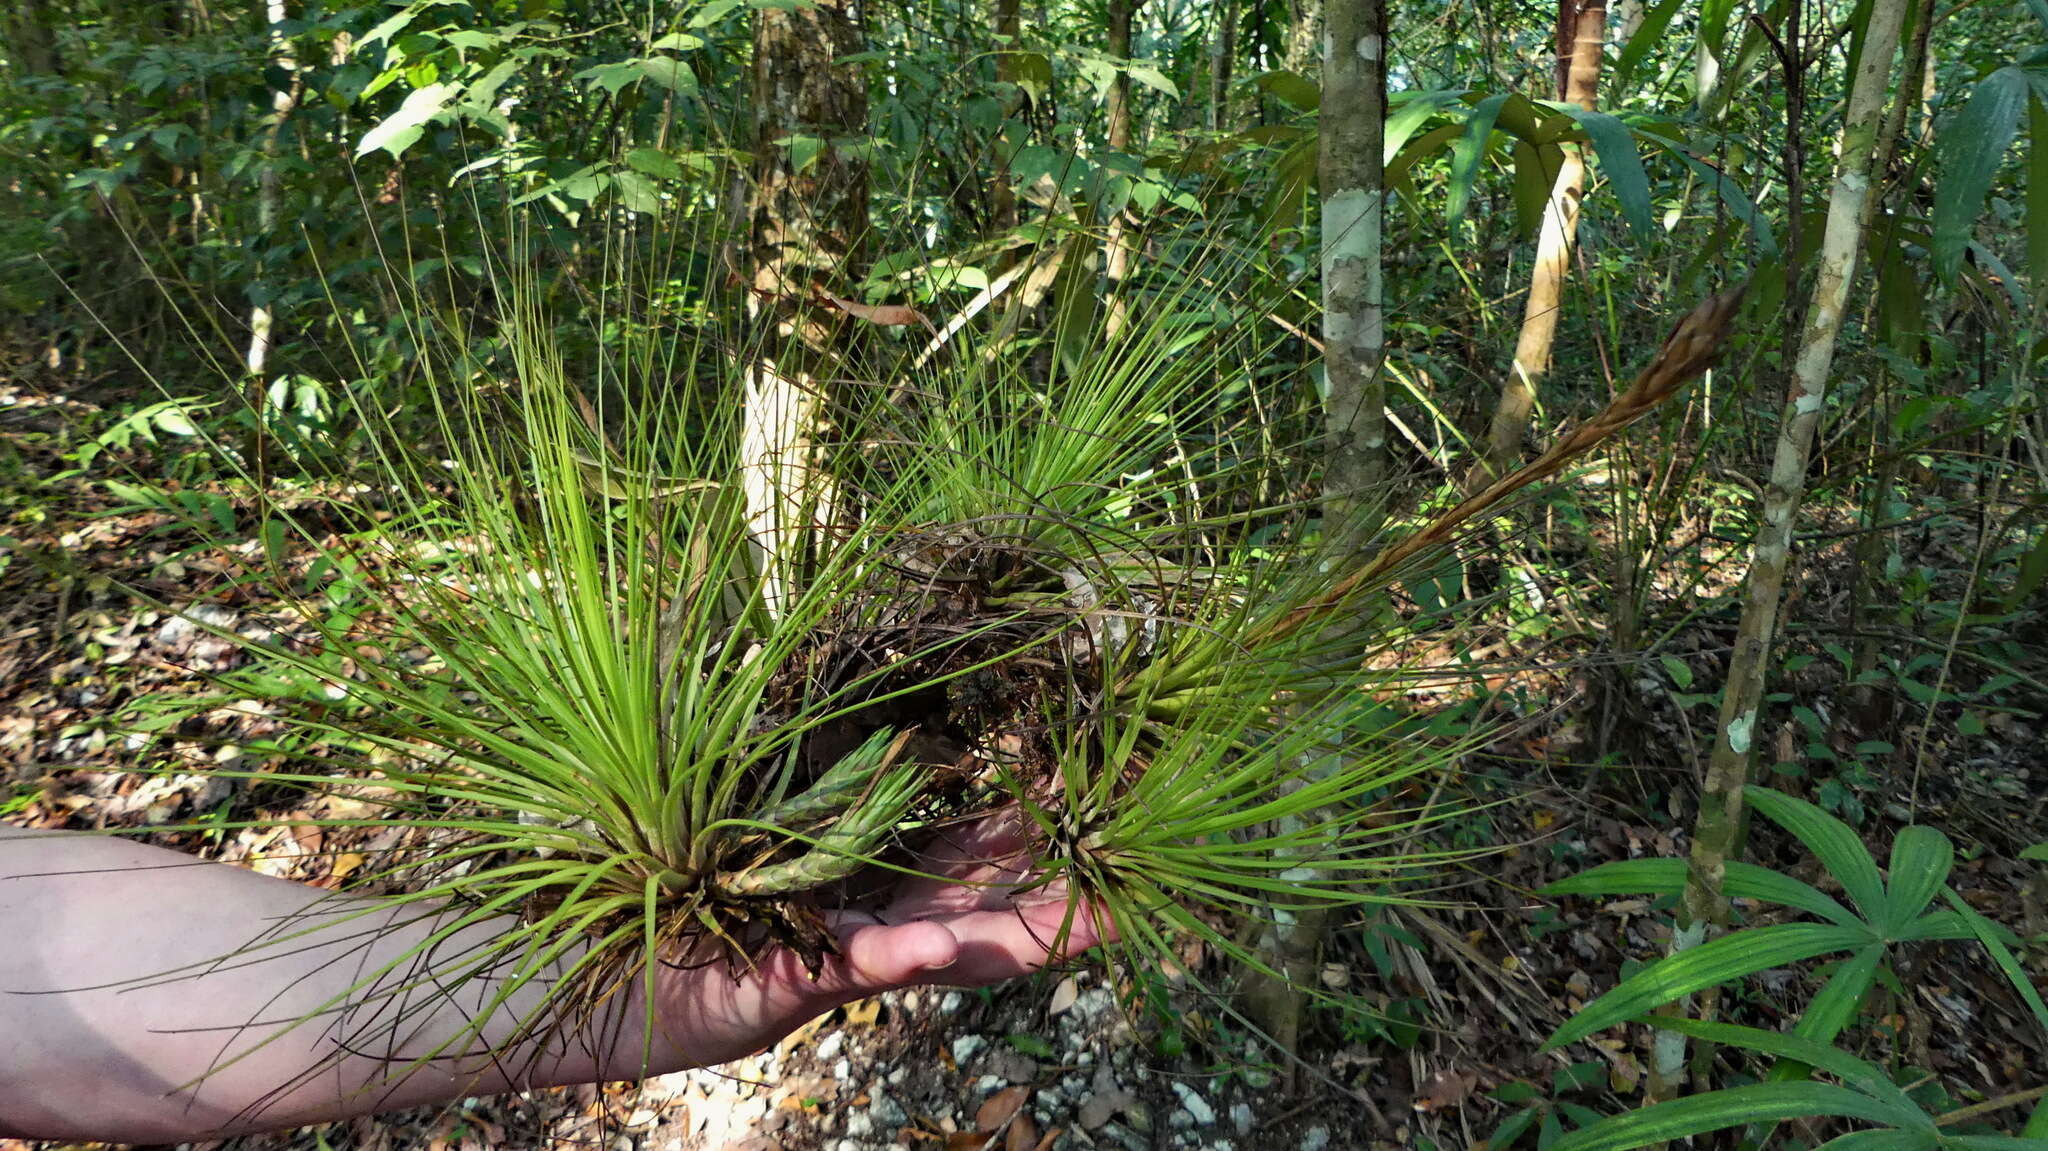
999,945
872,959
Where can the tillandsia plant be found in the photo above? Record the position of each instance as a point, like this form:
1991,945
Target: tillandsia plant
1039,588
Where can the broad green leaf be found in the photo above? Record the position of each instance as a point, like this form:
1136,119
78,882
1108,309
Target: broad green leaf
2037,852
1623,166
1988,934
654,162
1667,877
2037,1124
1921,859
1973,145
669,72
402,128
1719,961
611,77
1648,35
1152,78
1467,153
1292,87
1534,173
2028,1142
1938,926
637,192
1717,1110
470,39
174,421
1833,842
712,12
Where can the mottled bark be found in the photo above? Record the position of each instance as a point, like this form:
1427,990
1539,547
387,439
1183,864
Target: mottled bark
1738,731
1560,228
1354,320
1351,177
810,215
269,187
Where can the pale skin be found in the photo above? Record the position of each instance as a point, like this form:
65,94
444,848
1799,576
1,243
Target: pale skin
87,1053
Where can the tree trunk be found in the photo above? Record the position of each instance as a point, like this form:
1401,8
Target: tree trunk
1222,58
1587,20
810,214
269,193
1117,249
1009,28
1351,173
1703,904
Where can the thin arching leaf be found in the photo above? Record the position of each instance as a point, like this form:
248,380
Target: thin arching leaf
1623,166
1987,933
1972,148
1732,196
1865,1077
1535,168
1828,1012
1723,960
1718,1110
1835,843
1667,877
1648,35
1468,151
1415,111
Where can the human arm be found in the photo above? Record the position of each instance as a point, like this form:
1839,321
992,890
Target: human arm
91,1048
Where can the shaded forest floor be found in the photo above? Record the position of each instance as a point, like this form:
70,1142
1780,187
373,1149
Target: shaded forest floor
1596,762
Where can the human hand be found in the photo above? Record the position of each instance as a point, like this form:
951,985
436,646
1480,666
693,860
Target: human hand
975,920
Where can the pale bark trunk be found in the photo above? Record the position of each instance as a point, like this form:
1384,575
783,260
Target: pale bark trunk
1117,248
1351,174
269,186
1553,250
1703,904
269,193
1354,318
807,231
